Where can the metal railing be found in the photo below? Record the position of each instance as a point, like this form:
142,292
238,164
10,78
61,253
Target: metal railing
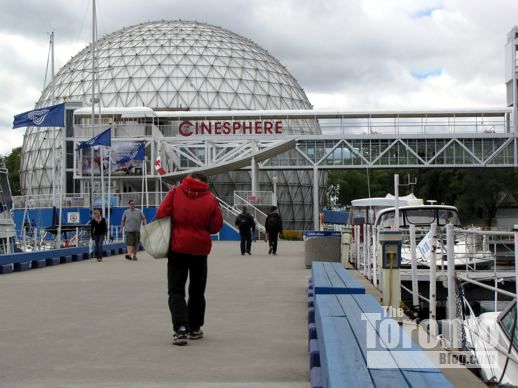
256,198
148,199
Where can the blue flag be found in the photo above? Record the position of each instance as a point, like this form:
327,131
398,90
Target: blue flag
50,116
104,138
136,153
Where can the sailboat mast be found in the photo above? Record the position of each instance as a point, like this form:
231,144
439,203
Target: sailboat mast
93,108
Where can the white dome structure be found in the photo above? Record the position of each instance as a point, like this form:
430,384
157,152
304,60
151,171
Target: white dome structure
176,65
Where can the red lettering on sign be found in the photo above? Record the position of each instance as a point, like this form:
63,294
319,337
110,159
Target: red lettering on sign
185,131
236,127
226,127
268,127
217,128
278,127
258,127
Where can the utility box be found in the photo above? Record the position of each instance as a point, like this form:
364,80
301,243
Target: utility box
390,241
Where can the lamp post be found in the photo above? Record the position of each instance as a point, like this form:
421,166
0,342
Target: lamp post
274,180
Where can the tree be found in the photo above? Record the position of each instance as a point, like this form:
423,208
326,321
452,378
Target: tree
12,163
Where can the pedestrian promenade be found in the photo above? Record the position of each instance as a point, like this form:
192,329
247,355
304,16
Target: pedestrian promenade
108,324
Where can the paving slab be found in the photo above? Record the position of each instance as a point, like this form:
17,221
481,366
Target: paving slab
92,324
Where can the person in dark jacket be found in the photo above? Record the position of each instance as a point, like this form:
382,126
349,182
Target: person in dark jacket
195,216
273,226
246,224
98,230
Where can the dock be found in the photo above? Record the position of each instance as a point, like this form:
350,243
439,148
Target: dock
93,324
90,324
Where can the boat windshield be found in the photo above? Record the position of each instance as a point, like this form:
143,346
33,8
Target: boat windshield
420,216
508,322
363,214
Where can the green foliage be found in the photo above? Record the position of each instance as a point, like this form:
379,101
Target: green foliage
477,193
12,163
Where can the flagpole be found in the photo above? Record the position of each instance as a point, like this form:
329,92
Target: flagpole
102,180
109,189
92,179
143,177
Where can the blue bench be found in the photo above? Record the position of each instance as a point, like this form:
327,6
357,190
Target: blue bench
38,259
332,278
345,359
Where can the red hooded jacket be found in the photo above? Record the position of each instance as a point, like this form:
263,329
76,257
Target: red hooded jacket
196,215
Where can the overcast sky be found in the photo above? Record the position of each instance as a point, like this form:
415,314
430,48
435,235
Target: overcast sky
346,54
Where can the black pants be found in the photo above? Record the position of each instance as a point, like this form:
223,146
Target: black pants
98,245
246,241
190,314
272,240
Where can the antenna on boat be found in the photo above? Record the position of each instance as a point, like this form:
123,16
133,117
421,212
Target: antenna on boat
431,201
409,183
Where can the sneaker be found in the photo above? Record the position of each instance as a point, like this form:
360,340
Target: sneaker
134,258
180,337
196,334
275,253
270,251
250,253
99,259
128,257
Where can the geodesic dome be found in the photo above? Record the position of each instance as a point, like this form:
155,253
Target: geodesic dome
169,65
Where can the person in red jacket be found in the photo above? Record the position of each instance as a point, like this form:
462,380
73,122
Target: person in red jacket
196,215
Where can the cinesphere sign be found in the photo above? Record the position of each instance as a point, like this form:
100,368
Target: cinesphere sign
230,128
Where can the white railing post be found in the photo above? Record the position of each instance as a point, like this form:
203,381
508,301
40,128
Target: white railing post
433,282
374,257
358,242
452,297
367,240
364,250
413,256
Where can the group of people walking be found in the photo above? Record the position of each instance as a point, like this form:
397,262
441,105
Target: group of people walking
247,230
195,215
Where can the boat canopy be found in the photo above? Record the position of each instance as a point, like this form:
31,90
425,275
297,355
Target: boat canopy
388,201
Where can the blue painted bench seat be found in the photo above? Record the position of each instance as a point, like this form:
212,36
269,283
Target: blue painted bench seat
19,261
332,278
342,340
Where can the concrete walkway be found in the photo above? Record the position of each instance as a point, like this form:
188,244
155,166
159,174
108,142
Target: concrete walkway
107,324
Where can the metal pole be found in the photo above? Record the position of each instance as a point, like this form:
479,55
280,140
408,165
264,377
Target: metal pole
53,131
316,213
413,256
515,266
452,299
358,242
433,280
367,245
374,257
254,176
396,195
103,202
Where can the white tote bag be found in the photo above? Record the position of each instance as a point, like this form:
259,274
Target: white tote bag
156,236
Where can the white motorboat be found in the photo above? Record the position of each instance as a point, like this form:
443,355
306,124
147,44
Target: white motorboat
493,340
470,251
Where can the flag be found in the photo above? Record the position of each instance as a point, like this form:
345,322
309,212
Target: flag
104,138
50,116
137,153
158,166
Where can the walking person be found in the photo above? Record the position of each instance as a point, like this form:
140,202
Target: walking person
246,224
132,219
273,227
195,216
98,232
